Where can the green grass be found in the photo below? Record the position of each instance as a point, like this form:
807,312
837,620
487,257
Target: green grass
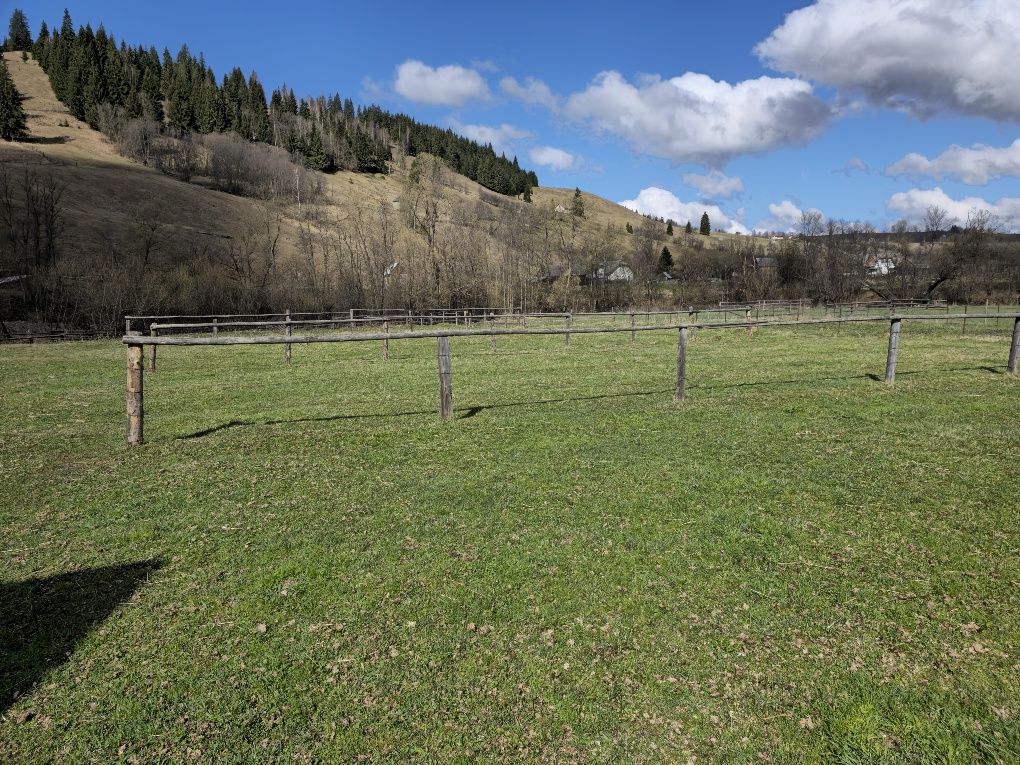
799,564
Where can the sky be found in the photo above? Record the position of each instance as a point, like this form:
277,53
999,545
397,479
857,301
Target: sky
755,112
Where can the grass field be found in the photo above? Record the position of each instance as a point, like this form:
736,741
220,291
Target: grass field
303,564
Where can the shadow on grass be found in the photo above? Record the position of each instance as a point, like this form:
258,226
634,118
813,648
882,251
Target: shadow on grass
42,620
469,412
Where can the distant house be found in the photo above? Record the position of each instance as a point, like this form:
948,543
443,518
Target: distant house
613,271
561,209
880,264
556,272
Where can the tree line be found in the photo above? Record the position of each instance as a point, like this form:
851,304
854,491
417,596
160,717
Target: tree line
89,70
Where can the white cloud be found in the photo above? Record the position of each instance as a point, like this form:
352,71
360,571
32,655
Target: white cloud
450,85
976,165
664,204
913,204
693,118
551,157
919,56
785,216
715,185
502,137
531,91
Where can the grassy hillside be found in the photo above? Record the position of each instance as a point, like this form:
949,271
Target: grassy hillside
800,564
105,191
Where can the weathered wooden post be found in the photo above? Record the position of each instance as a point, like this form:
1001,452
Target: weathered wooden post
693,316
351,318
747,318
288,331
152,355
1014,347
894,347
445,378
127,325
492,338
681,367
633,334
964,330
135,412
215,329
566,336
386,341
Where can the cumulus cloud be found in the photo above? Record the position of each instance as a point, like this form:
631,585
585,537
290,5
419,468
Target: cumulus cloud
919,56
449,85
785,216
531,91
975,165
503,137
715,185
551,157
913,204
693,118
665,204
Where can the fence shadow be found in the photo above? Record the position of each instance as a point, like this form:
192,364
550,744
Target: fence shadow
42,620
469,412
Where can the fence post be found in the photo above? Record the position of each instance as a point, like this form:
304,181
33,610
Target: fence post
964,331
747,318
681,367
693,316
152,356
1014,347
289,330
135,412
215,329
894,347
492,338
632,333
351,318
445,378
386,341
566,336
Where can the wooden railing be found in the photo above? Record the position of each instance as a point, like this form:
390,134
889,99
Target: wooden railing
136,343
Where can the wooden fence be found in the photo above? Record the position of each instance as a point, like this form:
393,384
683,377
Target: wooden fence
136,343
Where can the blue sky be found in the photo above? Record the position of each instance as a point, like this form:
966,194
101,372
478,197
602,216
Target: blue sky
754,111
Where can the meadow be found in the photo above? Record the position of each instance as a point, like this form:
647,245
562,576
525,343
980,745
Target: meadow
304,564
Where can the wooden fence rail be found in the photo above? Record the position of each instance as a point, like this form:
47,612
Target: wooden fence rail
135,346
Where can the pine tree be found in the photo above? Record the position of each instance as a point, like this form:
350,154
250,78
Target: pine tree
315,156
630,228
669,228
577,205
12,116
665,260
18,36
706,226
689,228
527,193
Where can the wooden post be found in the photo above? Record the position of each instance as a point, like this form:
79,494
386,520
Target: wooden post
351,318
694,317
445,378
152,357
492,338
386,341
566,336
747,318
632,333
135,413
127,325
215,329
1014,347
289,331
894,347
681,367
964,332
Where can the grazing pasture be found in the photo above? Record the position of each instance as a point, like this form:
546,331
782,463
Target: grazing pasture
303,563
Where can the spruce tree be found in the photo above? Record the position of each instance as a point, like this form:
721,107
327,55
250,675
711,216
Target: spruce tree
315,156
577,205
12,116
706,226
665,260
18,36
669,228
527,193
630,228
689,229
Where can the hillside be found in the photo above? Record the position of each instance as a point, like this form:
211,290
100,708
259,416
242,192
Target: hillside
135,239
